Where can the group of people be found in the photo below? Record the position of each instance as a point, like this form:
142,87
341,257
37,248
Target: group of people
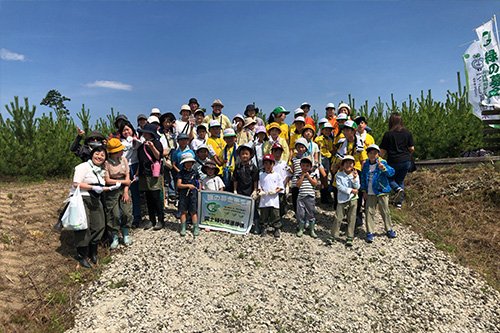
167,158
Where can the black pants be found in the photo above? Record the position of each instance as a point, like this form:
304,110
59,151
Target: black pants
155,206
295,195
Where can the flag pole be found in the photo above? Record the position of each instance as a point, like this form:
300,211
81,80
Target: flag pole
496,28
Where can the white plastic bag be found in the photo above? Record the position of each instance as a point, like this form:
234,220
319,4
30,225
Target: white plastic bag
74,217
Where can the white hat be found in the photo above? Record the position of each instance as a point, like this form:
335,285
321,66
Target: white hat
214,123
155,111
202,146
305,104
239,116
228,132
373,146
300,118
153,119
327,125
344,105
298,111
322,121
348,158
342,116
330,105
217,102
185,107
350,124
187,158
301,141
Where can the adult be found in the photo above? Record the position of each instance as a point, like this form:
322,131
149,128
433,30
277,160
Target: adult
251,111
397,147
155,112
193,105
185,125
345,108
95,139
278,116
332,119
217,115
150,154
306,107
142,120
199,116
89,176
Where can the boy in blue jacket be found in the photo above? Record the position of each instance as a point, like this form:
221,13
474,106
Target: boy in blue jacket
375,187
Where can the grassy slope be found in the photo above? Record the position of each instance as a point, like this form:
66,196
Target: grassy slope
458,209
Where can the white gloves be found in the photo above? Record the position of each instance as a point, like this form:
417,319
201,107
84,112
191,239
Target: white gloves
254,195
272,192
235,192
115,187
97,189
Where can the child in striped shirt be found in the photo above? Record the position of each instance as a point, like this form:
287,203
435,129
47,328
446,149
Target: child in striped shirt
301,151
306,199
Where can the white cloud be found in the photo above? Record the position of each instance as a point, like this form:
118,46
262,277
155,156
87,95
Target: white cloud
110,85
11,56
442,80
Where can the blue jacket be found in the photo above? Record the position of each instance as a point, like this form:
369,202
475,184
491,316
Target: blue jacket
345,184
380,178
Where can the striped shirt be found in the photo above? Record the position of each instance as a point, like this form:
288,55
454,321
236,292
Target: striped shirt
296,170
307,190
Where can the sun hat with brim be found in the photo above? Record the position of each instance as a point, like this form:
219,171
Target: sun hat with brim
155,111
151,129
185,107
142,116
201,126
167,115
273,125
95,135
214,123
322,121
229,132
301,141
306,159
350,124
114,146
327,125
193,100
250,107
209,165
187,158
373,146
247,146
153,119
279,109
182,136
298,111
347,158
300,119
268,157
330,106
344,105
276,145
200,147
307,127
359,119
260,129
303,105
121,117
239,116
217,102
249,121
342,116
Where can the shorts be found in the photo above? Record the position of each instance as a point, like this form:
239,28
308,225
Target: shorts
188,203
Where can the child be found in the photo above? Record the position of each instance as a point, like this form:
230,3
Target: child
215,143
201,158
306,198
269,186
312,147
278,116
281,167
227,158
247,134
246,179
274,131
251,112
299,123
199,115
183,148
362,135
347,185
211,182
301,151
260,139
326,148
201,137
188,185
375,187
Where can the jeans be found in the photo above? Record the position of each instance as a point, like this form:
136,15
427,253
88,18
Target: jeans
397,182
135,194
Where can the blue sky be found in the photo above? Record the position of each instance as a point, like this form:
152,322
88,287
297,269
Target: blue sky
135,55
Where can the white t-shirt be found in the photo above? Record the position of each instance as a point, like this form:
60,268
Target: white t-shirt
130,151
269,182
183,127
281,167
373,167
84,174
212,183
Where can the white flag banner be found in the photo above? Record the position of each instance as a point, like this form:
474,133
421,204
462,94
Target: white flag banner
475,73
491,72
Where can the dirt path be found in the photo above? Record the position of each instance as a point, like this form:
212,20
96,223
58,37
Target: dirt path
226,283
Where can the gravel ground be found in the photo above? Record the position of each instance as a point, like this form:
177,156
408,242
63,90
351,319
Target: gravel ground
227,283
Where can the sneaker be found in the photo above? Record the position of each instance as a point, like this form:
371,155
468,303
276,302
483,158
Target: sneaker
115,242
127,241
399,206
369,237
277,233
399,194
348,242
391,234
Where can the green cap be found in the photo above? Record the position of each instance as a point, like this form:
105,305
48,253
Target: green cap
280,109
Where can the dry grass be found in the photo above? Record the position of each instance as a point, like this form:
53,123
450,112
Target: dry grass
458,209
